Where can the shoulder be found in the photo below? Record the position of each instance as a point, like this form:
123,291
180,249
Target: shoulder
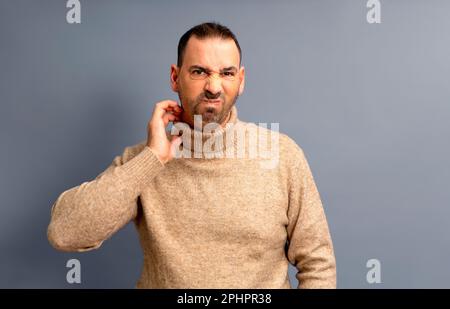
290,153
290,146
270,130
129,152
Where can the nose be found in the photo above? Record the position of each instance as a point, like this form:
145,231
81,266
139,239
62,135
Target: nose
213,85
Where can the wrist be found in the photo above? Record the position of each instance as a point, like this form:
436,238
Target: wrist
157,155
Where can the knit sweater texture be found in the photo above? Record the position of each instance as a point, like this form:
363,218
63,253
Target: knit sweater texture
208,220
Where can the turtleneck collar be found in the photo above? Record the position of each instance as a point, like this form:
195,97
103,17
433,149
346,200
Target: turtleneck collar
210,141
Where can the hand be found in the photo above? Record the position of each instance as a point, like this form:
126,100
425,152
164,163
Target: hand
163,113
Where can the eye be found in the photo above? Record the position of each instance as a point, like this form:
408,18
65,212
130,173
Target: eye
228,74
197,72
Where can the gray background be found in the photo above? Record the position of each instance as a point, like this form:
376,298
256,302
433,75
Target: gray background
368,103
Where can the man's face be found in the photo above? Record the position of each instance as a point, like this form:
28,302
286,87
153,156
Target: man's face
209,79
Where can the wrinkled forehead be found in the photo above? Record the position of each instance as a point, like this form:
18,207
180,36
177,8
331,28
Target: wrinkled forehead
211,53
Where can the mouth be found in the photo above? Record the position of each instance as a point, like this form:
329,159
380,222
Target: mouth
212,102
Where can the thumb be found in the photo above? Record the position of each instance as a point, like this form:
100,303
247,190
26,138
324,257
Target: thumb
175,144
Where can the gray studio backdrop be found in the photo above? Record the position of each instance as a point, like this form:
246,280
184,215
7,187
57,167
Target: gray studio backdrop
368,103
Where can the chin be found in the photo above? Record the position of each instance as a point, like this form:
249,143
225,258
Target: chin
207,117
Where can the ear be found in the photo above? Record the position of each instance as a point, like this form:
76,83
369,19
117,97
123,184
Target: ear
242,80
174,71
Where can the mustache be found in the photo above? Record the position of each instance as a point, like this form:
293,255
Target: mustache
207,96
210,96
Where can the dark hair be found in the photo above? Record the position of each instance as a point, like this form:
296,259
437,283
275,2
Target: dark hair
206,30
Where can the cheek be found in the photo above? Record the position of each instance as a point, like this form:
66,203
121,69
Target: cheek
231,90
190,88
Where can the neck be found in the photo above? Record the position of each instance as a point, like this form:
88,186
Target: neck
198,142
200,125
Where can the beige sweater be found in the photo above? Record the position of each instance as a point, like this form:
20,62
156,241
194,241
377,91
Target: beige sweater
206,222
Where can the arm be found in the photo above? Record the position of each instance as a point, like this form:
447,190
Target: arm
84,216
310,247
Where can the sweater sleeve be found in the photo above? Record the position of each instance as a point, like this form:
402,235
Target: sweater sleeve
86,215
310,247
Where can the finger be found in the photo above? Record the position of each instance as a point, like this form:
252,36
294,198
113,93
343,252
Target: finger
178,108
175,112
169,117
160,108
174,145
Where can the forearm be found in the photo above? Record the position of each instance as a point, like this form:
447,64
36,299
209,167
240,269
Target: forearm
84,216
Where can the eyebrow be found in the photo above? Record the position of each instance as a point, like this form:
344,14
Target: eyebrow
231,68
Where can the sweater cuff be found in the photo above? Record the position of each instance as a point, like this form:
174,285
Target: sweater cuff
142,168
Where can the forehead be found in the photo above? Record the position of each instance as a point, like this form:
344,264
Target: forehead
213,53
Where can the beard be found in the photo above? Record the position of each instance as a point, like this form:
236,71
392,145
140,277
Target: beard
210,114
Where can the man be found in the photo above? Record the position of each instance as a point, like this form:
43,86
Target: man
205,219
